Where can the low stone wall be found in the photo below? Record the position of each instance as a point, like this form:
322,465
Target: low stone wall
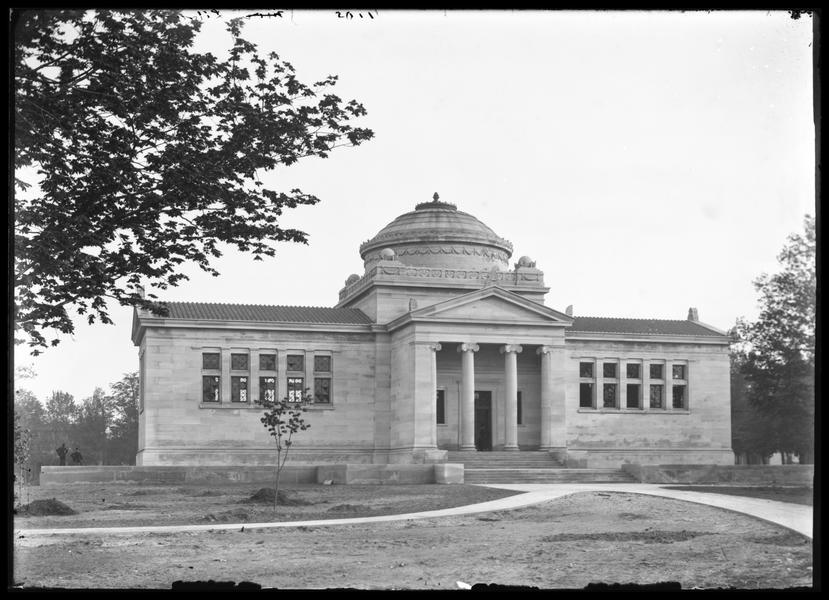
339,474
749,475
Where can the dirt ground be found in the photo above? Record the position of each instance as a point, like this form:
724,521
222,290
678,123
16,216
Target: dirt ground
126,505
571,542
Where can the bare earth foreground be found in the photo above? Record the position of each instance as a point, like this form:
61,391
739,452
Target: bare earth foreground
571,542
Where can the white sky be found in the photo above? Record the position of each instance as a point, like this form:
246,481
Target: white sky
647,161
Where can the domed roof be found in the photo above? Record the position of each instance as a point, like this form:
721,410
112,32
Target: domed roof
437,225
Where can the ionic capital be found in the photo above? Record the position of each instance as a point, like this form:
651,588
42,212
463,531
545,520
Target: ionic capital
468,347
511,348
545,349
434,347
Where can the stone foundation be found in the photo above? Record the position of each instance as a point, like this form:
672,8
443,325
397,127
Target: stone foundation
617,458
339,474
757,475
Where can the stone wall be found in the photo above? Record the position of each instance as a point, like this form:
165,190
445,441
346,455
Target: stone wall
700,433
176,427
777,475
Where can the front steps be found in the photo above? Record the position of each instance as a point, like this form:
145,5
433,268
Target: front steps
528,467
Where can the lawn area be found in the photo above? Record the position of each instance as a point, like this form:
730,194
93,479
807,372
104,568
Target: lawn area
567,543
118,504
796,495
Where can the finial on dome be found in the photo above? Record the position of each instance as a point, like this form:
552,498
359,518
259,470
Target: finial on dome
435,198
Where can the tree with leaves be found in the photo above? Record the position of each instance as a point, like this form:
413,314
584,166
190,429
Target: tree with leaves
60,417
149,154
123,431
776,353
91,428
282,419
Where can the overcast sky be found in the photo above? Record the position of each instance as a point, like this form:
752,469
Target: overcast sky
649,162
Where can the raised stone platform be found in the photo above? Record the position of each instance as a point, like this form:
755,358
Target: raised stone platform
308,473
779,475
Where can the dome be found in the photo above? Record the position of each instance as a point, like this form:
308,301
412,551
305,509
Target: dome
437,234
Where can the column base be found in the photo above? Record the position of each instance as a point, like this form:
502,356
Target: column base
468,449
511,449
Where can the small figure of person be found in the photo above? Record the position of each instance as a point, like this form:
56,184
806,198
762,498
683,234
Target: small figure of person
62,454
77,457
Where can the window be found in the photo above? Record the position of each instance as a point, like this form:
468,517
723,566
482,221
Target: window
585,395
211,391
440,409
296,389
633,395
267,362
322,379
656,395
239,362
211,361
609,370
520,419
679,396
211,377
322,390
296,362
586,369
656,371
634,371
609,395
322,364
267,389
238,389
678,371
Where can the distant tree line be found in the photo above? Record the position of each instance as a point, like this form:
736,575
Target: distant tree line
104,427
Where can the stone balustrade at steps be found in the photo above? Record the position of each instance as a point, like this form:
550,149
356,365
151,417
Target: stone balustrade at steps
529,467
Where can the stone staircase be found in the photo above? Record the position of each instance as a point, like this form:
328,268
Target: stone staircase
528,467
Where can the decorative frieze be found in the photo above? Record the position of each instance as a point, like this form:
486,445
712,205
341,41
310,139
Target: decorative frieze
386,272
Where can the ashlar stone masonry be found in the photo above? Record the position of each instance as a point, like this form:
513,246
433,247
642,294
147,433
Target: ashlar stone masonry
437,346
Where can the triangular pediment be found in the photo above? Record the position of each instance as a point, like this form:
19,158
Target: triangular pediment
492,304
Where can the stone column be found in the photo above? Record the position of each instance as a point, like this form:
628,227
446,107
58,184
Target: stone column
546,396
668,403
510,352
435,348
468,395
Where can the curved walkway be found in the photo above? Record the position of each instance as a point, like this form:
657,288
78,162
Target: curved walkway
792,516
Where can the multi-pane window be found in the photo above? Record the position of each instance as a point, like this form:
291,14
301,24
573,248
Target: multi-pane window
211,377
440,408
679,373
520,419
267,362
211,361
609,370
679,396
609,395
634,371
585,395
322,379
656,395
211,389
296,389
632,395
239,362
267,389
656,371
296,362
585,369
239,389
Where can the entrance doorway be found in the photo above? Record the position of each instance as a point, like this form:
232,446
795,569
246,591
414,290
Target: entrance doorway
483,421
